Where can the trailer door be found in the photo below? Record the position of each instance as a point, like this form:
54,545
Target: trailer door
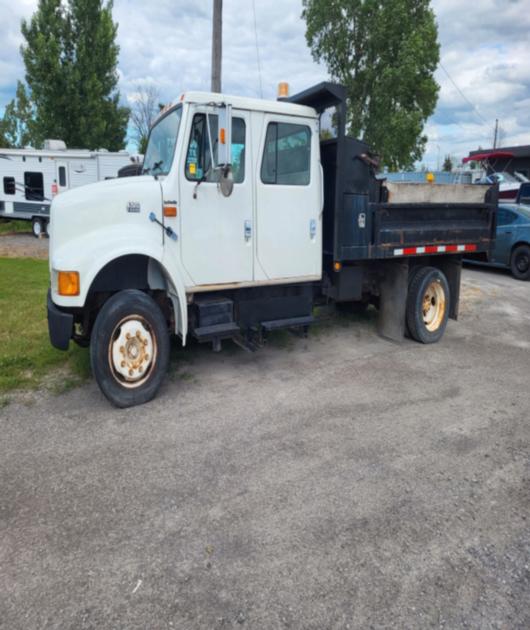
62,176
289,199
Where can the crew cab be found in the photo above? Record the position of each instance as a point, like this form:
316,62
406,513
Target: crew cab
243,221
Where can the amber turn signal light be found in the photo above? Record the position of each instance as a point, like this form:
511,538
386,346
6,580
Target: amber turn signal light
170,211
68,283
337,265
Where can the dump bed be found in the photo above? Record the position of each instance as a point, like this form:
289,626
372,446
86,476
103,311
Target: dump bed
368,218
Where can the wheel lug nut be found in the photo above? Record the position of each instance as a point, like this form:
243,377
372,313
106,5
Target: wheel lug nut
131,372
122,349
146,357
123,364
128,336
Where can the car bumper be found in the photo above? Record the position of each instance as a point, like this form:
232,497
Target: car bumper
60,325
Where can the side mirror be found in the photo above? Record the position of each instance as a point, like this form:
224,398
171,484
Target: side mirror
226,180
224,140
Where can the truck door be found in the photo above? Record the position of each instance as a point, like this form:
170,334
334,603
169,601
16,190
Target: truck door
217,232
62,176
289,199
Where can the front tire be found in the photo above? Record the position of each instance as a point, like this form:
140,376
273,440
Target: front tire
129,348
427,305
520,262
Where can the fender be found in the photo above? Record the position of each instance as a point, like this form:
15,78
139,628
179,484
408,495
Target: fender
88,254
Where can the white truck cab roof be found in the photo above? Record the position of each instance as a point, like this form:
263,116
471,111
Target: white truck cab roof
255,104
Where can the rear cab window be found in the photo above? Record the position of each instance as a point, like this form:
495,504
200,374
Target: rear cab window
286,155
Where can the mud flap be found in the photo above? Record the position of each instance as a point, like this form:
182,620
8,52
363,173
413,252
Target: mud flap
393,300
452,269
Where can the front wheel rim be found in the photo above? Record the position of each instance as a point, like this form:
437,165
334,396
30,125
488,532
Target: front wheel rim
37,228
433,306
132,351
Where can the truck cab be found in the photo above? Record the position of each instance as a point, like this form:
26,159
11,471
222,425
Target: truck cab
241,221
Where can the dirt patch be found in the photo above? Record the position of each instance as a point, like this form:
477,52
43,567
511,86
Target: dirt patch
21,245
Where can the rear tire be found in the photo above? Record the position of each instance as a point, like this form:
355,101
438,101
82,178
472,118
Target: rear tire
36,227
427,305
520,262
129,348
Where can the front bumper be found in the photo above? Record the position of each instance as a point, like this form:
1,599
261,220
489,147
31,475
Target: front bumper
60,325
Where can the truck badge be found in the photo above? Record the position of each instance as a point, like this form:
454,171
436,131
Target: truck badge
133,206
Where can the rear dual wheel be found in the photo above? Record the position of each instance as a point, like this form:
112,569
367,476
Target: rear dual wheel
427,305
129,348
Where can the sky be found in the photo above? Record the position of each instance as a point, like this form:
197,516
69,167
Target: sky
484,72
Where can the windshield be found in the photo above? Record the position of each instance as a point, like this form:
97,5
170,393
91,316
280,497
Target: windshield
161,145
503,178
524,210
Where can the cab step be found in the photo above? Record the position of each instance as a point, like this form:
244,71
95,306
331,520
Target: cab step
216,331
291,322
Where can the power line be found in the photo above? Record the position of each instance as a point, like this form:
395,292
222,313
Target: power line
473,107
257,48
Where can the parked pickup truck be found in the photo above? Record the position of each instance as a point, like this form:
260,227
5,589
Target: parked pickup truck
242,222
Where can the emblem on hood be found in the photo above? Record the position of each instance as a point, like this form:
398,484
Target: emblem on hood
133,206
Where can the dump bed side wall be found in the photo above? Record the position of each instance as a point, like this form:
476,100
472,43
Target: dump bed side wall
367,218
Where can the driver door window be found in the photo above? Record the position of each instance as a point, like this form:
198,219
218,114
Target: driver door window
198,165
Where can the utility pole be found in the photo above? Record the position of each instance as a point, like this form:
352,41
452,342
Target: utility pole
217,44
496,135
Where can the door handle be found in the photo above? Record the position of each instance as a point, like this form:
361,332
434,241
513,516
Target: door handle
248,230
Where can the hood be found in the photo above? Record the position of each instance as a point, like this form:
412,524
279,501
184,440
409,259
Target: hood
101,206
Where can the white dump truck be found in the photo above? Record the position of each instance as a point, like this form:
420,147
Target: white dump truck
31,178
243,221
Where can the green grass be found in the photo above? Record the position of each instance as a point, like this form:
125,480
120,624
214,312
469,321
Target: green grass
7,227
27,359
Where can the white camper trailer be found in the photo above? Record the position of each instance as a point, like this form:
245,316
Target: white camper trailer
31,178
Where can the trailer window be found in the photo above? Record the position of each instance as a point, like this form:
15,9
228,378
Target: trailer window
62,176
198,158
9,186
287,155
34,186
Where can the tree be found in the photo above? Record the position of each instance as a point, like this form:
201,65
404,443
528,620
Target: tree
71,56
145,109
17,128
448,164
385,53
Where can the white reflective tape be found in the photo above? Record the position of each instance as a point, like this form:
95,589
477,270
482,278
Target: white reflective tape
461,248
420,250
398,252
441,248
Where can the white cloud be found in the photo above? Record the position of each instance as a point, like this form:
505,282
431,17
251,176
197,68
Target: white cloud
485,49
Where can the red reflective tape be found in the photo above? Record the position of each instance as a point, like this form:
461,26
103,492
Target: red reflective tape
431,249
451,248
409,250
470,248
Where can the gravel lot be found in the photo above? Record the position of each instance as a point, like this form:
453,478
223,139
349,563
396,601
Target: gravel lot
339,481
20,244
